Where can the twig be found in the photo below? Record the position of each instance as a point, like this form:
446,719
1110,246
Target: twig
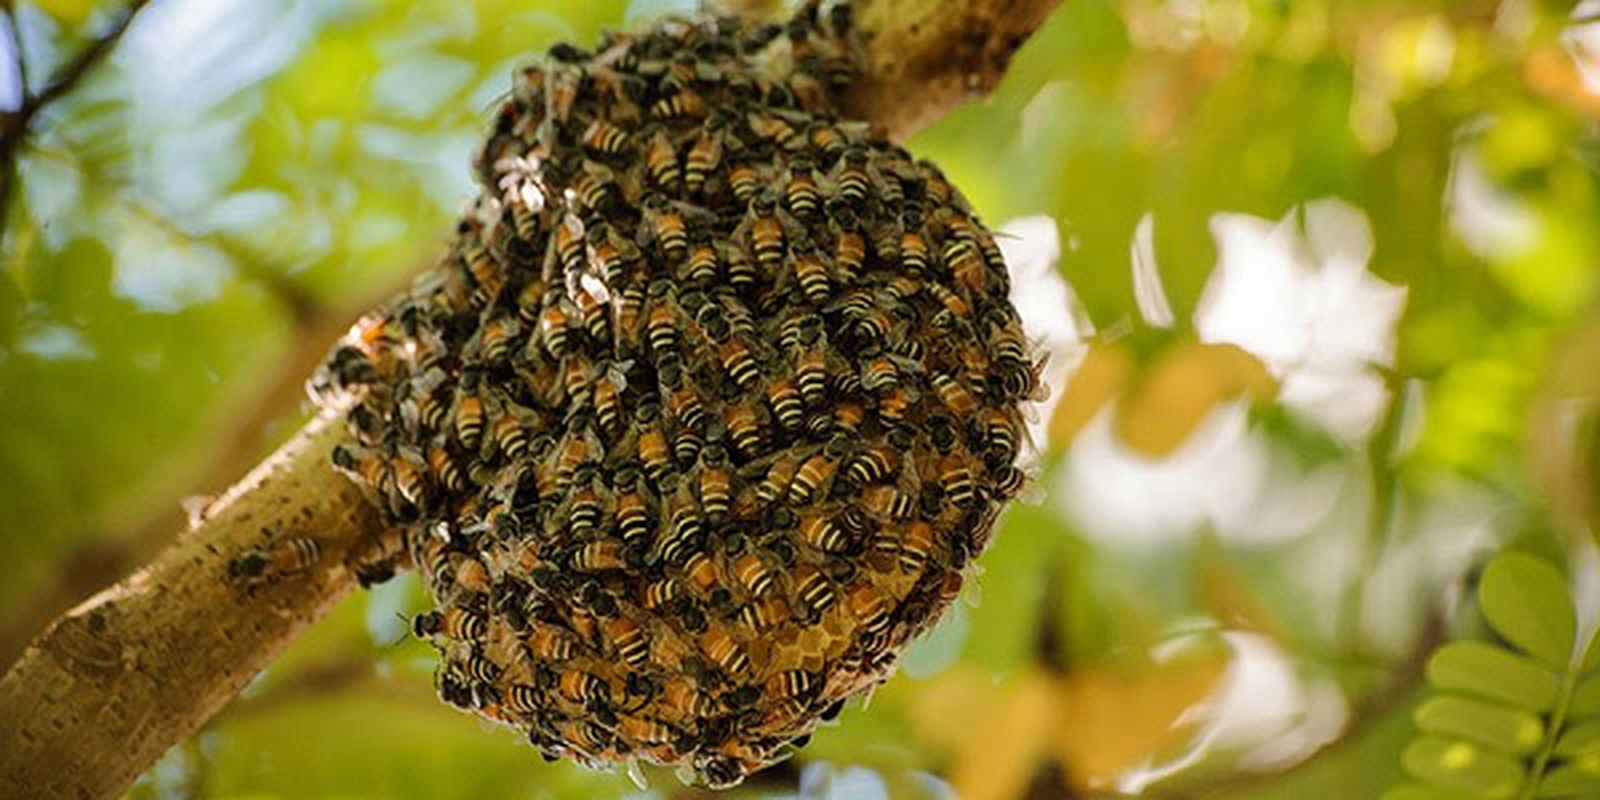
16,127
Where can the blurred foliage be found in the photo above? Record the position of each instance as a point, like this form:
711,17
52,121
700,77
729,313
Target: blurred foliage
1251,532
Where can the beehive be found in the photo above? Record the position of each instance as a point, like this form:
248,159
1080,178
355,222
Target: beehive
705,413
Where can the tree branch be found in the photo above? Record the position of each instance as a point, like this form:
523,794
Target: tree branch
116,681
925,57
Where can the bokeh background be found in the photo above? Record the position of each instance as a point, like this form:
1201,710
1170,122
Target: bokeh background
1317,282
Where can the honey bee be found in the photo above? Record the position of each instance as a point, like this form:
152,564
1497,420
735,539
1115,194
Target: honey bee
745,429
966,262
612,256
887,501
954,396
704,157
715,482
871,611
494,343
552,644
915,546
576,449
410,480
956,479
793,683
561,91
469,416
772,128
662,326
660,593
555,324
766,235
1003,437
879,375
739,364
742,273
763,613
755,574
583,516
661,162
703,265
524,699
821,533
670,232
745,182
445,470
603,138
629,640
628,316
282,558
651,441
914,252
1011,481
893,405
583,687
684,527
828,140
811,376
451,623
801,194
814,475
854,183
780,473
873,464
681,697
701,571
571,236
595,186
607,393
850,252
784,397
684,104
813,276
813,590
644,730
725,652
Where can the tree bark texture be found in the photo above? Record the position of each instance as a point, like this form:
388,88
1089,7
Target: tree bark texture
115,682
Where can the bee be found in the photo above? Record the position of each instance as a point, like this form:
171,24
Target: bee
561,91
715,482
595,186
583,516
452,623
629,640
552,644
741,271
766,236
763,613
661,163
854,184
684,104
1011,481
445,470
811,376
644,730
680,696
684,528
555,324
870,610
813,590
784,397
607,394
577,375
583,687
780,473
282,558
479,669
704,157
603,138
576,450
887,501
793,683
956,479
915,546
432,410
954,396
660,593
703,265
914,252
524,699
850,252
772,128
755,575
967,264
873,464
828,140
410,481
1002,435
813,276
725,652
494,343
801,194
701,571
813,475
745,182
739,364
570,237
671,233
872,327
893,405
880,375
662,326
821,533
956,308
651,442
628,316
611,256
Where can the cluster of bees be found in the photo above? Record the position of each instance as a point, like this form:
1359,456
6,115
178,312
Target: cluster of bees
707,410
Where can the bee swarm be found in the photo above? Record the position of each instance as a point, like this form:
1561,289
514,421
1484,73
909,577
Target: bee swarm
705,413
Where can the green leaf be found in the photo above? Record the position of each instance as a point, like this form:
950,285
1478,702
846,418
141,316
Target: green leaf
1578,778
1580,740
1585,698
1462,766
1494,672
1526,602
1418,791
1494,726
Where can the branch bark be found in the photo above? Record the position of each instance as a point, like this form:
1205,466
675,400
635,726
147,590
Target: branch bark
925,57
119,679
115,682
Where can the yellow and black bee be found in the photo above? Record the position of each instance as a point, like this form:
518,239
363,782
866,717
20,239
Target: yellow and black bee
287,556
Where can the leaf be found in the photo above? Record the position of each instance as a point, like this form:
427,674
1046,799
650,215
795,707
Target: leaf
1580,778
1462,766
1178,391
1494,726
1104,370
1494,672
1580,740
1417,791
1586,697
1527,603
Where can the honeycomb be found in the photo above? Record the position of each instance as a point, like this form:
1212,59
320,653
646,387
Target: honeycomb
707,410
